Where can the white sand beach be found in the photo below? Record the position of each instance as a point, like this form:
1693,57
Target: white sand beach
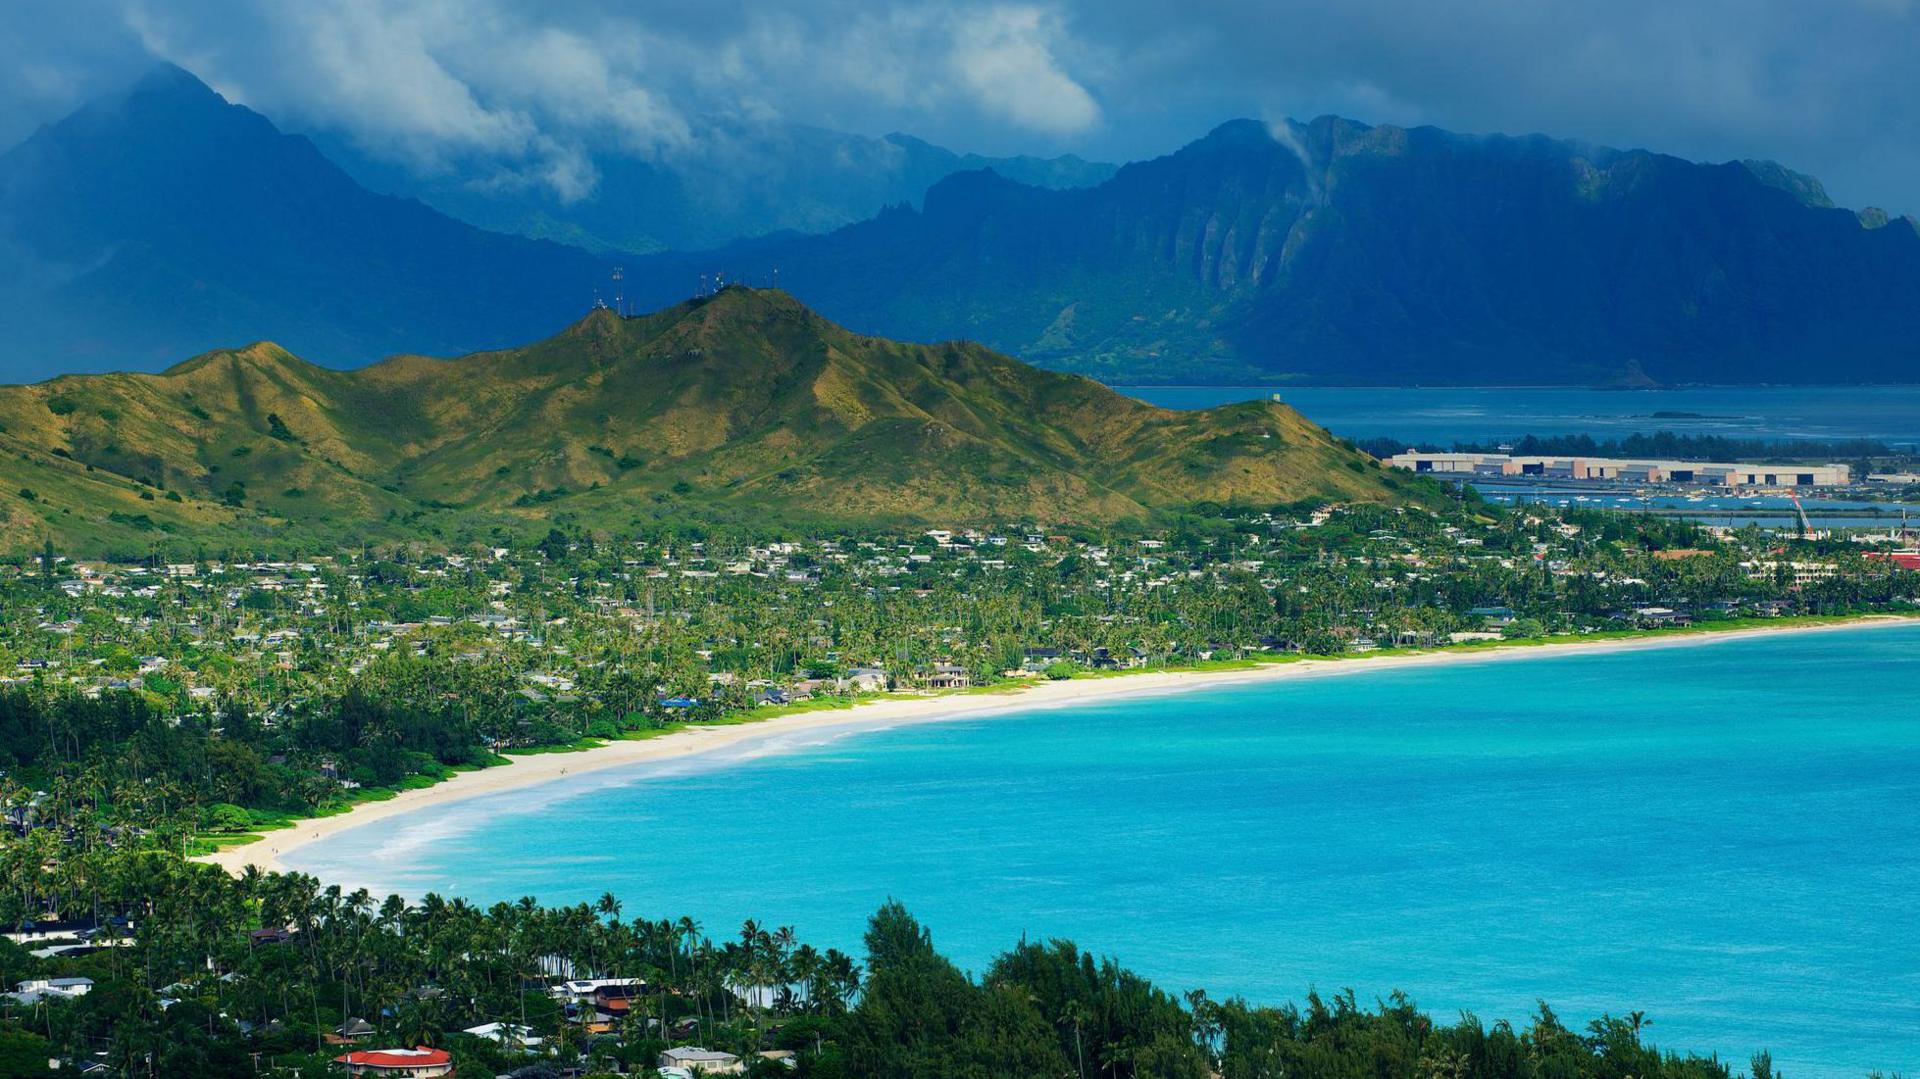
267,853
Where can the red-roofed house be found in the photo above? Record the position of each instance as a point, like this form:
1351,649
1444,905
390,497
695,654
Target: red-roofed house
1902,559
417,1063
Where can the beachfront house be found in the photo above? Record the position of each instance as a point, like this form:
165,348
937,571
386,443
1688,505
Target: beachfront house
949,676
1035,660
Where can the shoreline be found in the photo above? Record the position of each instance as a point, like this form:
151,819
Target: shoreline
267,852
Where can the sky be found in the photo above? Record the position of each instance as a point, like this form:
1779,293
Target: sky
1829,87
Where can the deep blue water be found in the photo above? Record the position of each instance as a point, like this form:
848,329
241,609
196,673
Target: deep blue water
1724,835
1473,414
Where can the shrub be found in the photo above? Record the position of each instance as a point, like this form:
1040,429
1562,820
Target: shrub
227,817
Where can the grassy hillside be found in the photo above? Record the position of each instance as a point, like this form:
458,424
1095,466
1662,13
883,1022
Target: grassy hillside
743,405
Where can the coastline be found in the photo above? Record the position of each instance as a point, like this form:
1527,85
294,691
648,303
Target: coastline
265,854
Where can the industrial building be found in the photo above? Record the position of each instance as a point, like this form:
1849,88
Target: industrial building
1707,473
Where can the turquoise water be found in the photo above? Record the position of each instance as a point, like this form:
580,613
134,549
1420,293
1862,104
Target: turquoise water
1724,835
1446,415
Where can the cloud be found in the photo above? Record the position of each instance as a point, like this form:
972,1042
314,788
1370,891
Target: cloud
538,94
1005,60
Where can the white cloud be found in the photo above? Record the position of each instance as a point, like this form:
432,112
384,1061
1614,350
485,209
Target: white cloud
538,93
1004,57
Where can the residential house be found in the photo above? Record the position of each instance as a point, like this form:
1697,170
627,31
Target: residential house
416,1063
56,987
698,1061
507,1034
949,676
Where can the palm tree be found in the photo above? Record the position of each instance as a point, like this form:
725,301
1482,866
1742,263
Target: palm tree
1075,1012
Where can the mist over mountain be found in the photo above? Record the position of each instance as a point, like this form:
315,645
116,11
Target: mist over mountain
735,181
1338,252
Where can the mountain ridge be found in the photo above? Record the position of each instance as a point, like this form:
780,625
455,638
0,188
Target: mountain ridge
744,405
1341,252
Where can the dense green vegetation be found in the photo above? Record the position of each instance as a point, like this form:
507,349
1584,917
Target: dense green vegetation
191,993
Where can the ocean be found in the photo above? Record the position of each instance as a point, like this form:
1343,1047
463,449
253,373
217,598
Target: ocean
1723,835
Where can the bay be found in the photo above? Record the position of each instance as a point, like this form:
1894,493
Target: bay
1725,835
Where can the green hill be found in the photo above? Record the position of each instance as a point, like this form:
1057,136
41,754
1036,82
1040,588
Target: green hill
743,406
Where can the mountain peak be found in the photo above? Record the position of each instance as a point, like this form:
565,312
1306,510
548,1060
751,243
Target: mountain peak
260,354
171,86
1242,130
169,76
746,298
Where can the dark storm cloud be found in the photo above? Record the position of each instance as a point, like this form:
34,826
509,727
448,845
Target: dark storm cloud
530,90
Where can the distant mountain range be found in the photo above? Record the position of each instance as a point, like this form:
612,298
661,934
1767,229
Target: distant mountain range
734,182
1338,252
165,221
743,405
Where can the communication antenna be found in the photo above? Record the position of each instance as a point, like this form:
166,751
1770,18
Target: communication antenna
776,277
619,292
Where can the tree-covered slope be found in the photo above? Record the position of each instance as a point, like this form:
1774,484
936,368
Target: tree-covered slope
744,404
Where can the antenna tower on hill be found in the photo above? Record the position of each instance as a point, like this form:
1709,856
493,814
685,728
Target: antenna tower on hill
619,293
